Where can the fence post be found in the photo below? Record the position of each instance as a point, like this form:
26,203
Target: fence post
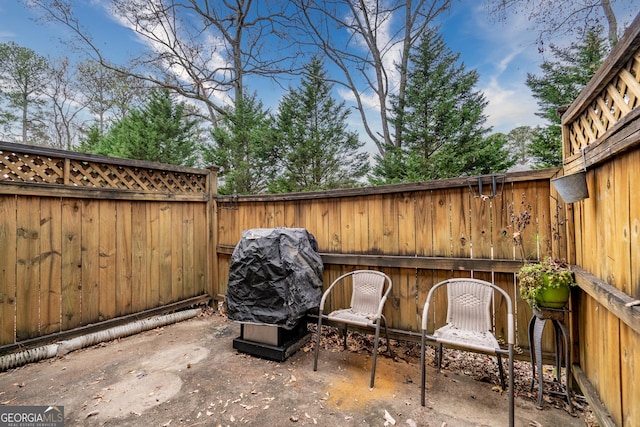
212,237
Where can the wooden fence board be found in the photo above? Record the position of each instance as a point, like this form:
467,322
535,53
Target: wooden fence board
310,218
406,222
223,274
124,258
288,214
442,223
334,225
361,225
90,261
620,239
587,310
460,223
107,259
424,224
395,300
71,263
634,223
502,227
153,254
348,226
608,364
269,215
177,259
164,252
8,228
28,267
608,209
376,230
139,255
505,282
198,286
629,344
390,242
480,235
50,265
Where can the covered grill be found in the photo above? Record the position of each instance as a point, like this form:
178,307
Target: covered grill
275,277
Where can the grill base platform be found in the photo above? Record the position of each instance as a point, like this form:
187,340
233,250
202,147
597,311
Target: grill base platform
286,342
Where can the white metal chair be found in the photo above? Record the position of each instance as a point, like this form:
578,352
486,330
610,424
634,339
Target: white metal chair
370,289
469,325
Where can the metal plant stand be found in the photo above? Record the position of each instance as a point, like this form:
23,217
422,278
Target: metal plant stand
536,327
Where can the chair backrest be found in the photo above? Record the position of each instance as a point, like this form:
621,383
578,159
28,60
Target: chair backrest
368,291
469,303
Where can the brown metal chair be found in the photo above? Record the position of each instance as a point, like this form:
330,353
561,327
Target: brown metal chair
469,325
370,289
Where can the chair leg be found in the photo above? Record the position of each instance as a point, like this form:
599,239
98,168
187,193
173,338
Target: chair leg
386,332
500,370
439,357
344,331
375,354
315,359
423,369
511,387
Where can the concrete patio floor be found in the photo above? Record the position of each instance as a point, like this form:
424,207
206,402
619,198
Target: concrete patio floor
188,374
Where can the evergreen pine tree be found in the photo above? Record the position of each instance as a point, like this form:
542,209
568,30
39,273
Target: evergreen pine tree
442,119
157,132
244,148
560,83
317,151
23,79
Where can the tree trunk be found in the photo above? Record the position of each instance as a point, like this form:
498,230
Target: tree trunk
611,20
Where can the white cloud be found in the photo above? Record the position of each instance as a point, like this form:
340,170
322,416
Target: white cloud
510,106
369,101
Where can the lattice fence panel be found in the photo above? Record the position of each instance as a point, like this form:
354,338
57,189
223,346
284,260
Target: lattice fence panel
31,168
34,168
615,101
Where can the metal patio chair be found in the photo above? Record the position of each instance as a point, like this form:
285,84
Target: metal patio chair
469,326
370,289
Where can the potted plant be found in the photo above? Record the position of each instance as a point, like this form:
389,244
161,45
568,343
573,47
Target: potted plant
544,284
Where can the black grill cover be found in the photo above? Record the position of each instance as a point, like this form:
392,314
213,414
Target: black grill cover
275,277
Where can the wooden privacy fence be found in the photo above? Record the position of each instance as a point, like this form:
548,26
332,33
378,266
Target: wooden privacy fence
85,239
419,234
601,131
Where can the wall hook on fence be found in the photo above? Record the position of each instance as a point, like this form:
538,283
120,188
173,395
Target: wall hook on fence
487,186
228,202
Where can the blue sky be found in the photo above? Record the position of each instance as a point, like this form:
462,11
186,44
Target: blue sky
502,52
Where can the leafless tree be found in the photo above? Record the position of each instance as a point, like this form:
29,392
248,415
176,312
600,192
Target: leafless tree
108,94
66,103
369,41
200,49
563,17
23,80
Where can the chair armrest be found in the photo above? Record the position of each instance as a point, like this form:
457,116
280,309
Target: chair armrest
329,289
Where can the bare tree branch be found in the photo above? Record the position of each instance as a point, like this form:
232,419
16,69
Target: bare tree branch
369,41
557,18
201,50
